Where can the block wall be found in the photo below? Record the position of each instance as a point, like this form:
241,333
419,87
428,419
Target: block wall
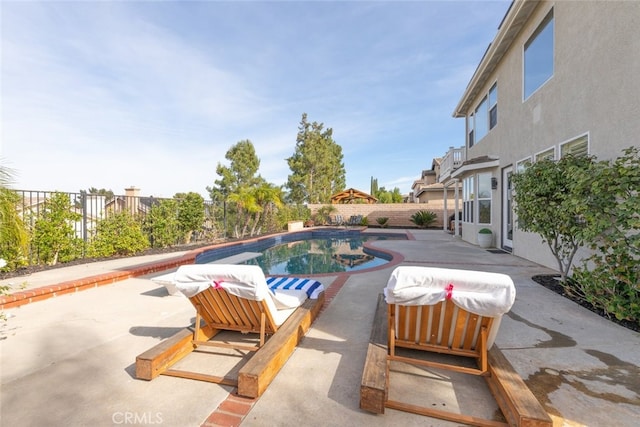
398,213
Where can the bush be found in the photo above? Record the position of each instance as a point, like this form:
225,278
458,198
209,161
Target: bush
190,214
576,202
162,224
423,218
118,234
323,216
383,221
14,238
53,234
610,278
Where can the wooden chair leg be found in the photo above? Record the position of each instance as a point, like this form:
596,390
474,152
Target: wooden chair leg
196,332
263,321
484,366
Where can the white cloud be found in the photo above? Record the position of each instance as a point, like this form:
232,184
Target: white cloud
110,94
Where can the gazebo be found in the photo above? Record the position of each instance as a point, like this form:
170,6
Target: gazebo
351,195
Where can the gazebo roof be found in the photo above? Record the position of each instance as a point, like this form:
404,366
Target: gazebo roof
350,195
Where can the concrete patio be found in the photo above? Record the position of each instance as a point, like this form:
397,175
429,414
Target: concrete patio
70,360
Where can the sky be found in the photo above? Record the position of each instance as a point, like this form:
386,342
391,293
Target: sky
152,94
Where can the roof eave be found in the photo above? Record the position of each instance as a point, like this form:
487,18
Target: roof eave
515,18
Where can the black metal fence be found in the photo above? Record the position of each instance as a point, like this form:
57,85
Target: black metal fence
90,209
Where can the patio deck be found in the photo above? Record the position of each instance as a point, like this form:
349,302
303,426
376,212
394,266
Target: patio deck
70,360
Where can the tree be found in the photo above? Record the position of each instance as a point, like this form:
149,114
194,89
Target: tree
385,196
552,198
374,186
268,197
241,172
53,234
14,239
108,194
241,184
316,165
190,213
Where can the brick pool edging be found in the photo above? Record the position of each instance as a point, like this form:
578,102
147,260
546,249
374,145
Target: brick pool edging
28,296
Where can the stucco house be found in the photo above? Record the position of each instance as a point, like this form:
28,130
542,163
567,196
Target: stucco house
559,77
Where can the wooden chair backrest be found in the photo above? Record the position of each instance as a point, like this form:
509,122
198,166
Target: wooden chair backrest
222,310
442,328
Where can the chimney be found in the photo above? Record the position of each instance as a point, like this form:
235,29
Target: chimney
132,199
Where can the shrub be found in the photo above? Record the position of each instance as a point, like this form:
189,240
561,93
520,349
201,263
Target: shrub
53,234
423,218
383,221
162,224
323,216
485,231
118,234
610,278
14,238
190,214
551,199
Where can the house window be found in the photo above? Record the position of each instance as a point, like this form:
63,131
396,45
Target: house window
484,198
548,154
577,147
523,164
538,56
482,120
493,106
467,199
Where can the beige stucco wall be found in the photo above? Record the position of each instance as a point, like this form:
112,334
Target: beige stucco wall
435,196
594,91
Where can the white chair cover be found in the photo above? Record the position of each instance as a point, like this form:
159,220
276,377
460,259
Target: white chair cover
479,292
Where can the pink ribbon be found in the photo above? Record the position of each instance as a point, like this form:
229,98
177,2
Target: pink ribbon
448,291
216,285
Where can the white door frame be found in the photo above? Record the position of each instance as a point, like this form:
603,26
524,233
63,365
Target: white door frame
507,209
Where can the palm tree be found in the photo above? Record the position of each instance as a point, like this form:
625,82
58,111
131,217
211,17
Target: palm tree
245,201
13,235
266,196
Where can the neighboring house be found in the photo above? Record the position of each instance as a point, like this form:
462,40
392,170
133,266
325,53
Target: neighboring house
32,204
560,77
130,202
428,188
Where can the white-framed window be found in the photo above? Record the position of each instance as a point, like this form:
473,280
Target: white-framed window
493,106
523,164
468,197
484,198
476,198
548,154
483,118
577,147
538,61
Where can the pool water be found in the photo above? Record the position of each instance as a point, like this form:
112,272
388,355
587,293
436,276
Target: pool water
318,256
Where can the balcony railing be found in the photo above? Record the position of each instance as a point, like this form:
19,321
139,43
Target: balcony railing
450,162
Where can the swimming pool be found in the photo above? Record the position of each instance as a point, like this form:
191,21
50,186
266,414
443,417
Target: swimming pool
312,252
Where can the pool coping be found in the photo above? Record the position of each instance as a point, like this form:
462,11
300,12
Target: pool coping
28,296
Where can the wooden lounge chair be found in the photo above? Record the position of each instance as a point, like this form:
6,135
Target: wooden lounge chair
454,312
233,298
